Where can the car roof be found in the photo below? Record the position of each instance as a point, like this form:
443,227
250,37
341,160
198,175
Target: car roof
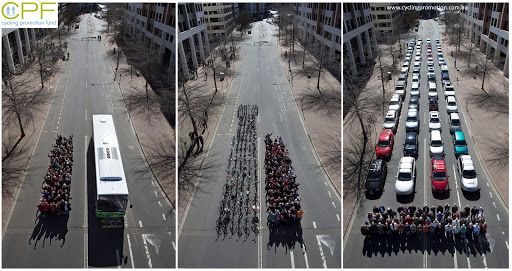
458,135
438,165
454,116
414,98
450,98
434,114
376,164
435,133
410,136
412,112
390,113
406,163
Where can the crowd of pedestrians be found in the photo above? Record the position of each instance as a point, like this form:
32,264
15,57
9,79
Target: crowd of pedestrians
448,221
281,187
56,187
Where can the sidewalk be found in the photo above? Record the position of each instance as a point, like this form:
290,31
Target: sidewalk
204,84
486,134
153,131
323,122
14,168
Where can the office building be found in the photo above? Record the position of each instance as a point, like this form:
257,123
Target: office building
220,19
193,45
18,44
385,21
359,39
152,24
486,25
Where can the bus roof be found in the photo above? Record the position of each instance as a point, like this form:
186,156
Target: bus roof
110,178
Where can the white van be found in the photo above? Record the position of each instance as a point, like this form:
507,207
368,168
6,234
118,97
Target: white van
436,144
432,89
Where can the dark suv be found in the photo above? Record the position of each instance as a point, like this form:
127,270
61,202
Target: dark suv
411,144
376,177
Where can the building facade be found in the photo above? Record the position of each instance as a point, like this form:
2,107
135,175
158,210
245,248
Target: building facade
220,19
384,20
193,45
486,25
320,24
153,25
359,39
18,44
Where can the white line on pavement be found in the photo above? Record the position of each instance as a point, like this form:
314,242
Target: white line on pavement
498,216
325,183
147,251
160,204
425,175
506,244
173,245
456,185
292,259
484,261
130,248
467,259
494,204
490,194
487,184
338,217
140,224
305,256
333,204
86,228
322,255
156,194
329,192
260,238
86,114
163,216
314,224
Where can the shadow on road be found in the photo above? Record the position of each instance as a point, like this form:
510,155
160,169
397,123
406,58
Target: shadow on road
472,196
105,246
286,236
49,228
436,243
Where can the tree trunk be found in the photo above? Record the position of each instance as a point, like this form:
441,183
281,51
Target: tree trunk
17,109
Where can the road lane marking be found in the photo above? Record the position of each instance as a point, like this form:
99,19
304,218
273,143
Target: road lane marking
160,204
456,185
130,248
425,174
506,244
260,238
140,224
498,216
494,204
86,231
322,255
325,183
314,224
329,192
484,260
487,184
173,245
333,204
490,194
338,217
86,114
305,253
147,251
292,259
163,215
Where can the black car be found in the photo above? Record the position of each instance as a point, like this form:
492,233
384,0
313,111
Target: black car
414,103
376,176
411,144
432,103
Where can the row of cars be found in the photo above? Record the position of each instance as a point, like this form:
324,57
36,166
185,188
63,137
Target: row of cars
405,178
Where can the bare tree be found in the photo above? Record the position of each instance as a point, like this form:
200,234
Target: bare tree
243,21
69,15
331,150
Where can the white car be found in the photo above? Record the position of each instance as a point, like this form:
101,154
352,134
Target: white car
436,144
431,69
415,89
391,120
406,64
417,64
449,90
412,122
442,62
395,103
416,71
417,58
429,51
418,47
428,41
467,173
415,78
434,123
406,176
439,54
451,104
418,53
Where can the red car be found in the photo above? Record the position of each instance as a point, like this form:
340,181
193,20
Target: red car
439,176
384,147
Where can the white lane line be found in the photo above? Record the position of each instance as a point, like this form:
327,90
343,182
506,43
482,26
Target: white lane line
156,194
322,255
163,216
325,183
425,177
484,260
160,204
130,248
487,184
490,194
494,204
332,202
305,256
506,244
86,232
469,264
86,114
498,216
147,251
329,192
455,264
314,224
456,185
260,237
292,259
140,224
173,245
338,217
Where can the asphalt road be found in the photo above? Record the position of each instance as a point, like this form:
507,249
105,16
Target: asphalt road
260,79
85,87
360,253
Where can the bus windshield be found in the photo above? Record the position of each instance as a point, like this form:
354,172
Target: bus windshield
112,203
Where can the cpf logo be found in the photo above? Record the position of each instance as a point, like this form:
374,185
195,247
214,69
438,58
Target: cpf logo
28,10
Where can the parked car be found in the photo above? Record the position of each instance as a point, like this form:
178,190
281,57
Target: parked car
406,176
384,147
439,176
414,103
467,174
451,104
449,90
395,103
436,144
411,144
413,122
432,89
459,143
415,89
391,120
432,104
454,122
376,177
400,89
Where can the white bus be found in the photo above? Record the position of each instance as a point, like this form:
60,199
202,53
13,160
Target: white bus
111,187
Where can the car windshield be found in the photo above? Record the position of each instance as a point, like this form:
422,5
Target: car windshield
436,143
390,119
434,120
411,118
460,142
404,176
469,174
451,104
383,143
393,103
112,203
373,175
455,122
439,175
409,146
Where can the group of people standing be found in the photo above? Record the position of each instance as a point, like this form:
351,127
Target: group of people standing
281,187
56,187
448,221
